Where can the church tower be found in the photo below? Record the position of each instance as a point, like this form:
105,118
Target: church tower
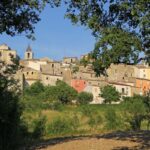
29,54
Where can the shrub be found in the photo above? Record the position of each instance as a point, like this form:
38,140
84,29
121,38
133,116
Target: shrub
95,121
112,121
84,97
56,106
65,93
135,111
86,110
35,89
39,127
59,126
110,94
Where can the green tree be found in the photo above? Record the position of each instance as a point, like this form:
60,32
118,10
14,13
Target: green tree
122,29
65,93
110,94
84,98
18,17
10,108
35,89
147,105
135,111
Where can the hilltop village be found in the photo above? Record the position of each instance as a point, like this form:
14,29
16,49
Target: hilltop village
127,79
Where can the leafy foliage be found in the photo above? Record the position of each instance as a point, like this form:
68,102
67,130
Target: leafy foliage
65,93
39,127
135,111
122,29
112,120
10,108
84,97
35,89
110,94
61,126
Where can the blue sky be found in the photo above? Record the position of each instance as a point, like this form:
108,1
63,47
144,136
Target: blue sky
55,36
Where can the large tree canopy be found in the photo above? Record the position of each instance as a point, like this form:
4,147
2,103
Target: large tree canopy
122,28
19,16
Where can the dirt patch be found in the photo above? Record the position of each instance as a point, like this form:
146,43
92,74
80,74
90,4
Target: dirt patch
94,144
111,141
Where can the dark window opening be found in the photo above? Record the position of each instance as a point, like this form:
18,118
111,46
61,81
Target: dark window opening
123,91
28,55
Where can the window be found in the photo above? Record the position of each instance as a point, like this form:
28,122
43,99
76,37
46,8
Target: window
27,73
46,78
12,56
52,65
71,60
123,91
0,54
32,73
28,55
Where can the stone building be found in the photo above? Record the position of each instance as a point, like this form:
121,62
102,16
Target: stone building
30,76
120,72
142,71
29,53
7,54
49,79
128,79
143,85
70,60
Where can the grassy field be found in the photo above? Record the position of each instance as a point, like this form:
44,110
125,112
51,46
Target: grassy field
69,120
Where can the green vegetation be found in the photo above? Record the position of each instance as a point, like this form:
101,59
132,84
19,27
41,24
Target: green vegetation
110,94
48,113
61,119
84,98
11,126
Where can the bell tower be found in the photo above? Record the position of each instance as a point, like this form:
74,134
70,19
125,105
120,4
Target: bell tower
29,53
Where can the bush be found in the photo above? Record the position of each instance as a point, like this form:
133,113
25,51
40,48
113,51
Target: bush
84,98
135,111
39,127
65,93
56,106
95,121
61,126
112,121
86,110
110,94
35,89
